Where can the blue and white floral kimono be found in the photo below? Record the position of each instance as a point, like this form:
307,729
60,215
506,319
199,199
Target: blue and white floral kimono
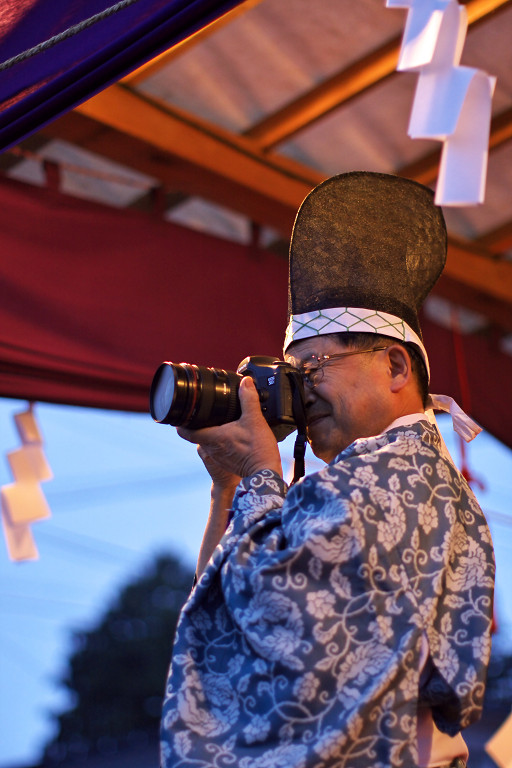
300,645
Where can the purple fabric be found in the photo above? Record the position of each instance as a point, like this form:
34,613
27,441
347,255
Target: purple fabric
38,89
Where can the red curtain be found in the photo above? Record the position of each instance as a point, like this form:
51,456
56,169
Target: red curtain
488,370
92,299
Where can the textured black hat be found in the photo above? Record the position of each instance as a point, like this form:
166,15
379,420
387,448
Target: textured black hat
366,250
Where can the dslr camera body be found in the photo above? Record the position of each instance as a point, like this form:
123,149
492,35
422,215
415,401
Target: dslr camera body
195,396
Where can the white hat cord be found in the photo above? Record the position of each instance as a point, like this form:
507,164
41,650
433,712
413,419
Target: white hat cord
463,424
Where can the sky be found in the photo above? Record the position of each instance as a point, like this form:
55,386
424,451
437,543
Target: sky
125,490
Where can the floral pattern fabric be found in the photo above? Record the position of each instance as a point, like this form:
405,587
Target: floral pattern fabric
299,647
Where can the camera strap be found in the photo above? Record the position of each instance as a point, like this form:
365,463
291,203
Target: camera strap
299,415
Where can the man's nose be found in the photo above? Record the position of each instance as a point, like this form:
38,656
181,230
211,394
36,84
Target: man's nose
309,393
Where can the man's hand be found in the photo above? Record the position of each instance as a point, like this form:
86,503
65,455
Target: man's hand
238,448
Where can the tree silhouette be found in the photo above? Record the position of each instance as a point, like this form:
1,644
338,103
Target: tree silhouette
117,671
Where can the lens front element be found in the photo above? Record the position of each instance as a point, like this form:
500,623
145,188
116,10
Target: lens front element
193,396
162,392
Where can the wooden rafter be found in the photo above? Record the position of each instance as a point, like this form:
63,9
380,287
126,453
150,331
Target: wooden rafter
499,313
346,85
197,142
153,66
194,157
174,173
332,93
188,156
497,241
476,268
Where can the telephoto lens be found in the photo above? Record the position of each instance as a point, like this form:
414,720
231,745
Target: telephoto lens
194,396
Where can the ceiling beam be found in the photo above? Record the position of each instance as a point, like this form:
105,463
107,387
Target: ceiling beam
346,85
182,135
152,67
196,158
16,155
332,93
185,158
497,312
498,241
477,269
174,174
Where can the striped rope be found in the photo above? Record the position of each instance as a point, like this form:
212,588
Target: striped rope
67,33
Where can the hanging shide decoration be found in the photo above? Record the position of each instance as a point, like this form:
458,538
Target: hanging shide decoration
23,501
499,746
452,103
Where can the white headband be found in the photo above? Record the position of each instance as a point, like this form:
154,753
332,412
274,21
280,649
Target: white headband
351,320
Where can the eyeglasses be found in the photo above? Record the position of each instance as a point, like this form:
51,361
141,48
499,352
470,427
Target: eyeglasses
312,369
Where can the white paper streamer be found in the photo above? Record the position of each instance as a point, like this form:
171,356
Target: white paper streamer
452,103
420,33
463,424
23,501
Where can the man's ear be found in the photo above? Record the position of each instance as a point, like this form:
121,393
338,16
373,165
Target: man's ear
399,367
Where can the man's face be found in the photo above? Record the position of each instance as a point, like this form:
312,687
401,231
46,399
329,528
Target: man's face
351,399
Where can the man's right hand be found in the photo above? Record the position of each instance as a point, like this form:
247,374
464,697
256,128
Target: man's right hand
238,448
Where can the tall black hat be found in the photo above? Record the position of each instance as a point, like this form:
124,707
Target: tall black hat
366,250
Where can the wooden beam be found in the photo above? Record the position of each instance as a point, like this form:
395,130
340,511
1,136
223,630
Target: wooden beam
196,158
346,85
183,136
332,93
152,67
18,154
496,311
477,269
175,173
498,241
478,10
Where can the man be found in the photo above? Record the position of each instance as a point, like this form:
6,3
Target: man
343,621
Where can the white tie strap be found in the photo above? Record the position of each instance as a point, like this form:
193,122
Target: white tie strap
463,425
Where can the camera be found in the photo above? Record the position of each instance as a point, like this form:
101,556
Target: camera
195,396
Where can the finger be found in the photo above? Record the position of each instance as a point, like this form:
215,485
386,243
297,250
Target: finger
204,455
192,435
249,398
207,435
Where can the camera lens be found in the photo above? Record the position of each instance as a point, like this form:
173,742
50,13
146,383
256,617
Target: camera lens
162,392
194,396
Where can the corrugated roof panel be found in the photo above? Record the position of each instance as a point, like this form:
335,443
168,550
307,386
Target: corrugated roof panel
269,56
